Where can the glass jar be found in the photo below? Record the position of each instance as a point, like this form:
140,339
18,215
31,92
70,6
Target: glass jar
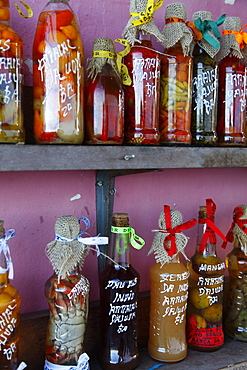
142,96
168,303
205,303
10,302
11,69
119,288
204,98
68,304
175,97
235,323
104,106
232,102
58,76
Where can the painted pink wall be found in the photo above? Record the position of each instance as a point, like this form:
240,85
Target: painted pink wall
31,201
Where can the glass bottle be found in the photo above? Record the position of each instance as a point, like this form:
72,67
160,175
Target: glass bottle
205,303
142,96
119,287
232,88
68,304
168,303
104,106
175,97
10,302
204,98
235,323
11,69
58,76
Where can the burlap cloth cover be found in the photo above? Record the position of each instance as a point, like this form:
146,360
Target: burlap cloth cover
66,255
239,233
228,43
95,64
205,45
177,31
161,255
131,31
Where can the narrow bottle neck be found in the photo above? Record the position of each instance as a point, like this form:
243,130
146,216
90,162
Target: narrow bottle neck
210,249
144,39
4,276
120,245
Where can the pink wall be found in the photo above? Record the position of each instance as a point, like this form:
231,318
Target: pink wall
31,201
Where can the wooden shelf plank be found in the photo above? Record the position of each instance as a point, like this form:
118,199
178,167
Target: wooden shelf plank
56,157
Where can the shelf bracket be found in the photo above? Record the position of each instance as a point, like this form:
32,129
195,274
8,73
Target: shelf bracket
105,191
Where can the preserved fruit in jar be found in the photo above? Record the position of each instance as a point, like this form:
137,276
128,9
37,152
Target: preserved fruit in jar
235,323
10,302
205,303
58,76
11,84
104,105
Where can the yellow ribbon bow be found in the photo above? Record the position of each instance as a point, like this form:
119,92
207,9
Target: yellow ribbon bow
29,10
147,16
122,67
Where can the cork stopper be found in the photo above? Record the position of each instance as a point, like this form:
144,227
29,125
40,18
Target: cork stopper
120,219
1,228
202,212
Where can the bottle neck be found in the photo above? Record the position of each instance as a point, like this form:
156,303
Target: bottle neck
120,246
144,39
210,249
4,276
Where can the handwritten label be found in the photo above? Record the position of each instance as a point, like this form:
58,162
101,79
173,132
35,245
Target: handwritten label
208,268
235,89
7,327
211,286
204,87
124,304
146,70
175,296
81,288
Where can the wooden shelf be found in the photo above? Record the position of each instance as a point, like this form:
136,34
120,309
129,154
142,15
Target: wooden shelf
75,157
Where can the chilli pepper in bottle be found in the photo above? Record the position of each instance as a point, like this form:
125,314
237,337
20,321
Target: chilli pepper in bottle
176,78
232,87
58,76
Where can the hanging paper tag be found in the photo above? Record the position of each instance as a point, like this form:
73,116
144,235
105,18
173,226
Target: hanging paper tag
83,364
136,241
29,10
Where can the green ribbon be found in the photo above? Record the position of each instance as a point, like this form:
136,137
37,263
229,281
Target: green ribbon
136,241
206,26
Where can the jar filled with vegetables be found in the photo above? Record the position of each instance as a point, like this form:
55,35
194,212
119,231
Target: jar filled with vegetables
231,125
235,323
143,63
168,289
104,103
11,54
176,78
205,303
205,79
58,76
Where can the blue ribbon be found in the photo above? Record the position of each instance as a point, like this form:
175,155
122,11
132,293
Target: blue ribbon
206,26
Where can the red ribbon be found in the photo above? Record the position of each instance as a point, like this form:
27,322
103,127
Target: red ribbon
237,213
172,231
211,228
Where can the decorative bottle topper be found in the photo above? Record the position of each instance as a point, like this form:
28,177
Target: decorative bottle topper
238,228
169,239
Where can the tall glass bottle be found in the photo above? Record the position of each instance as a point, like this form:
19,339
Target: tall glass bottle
176,78
67,293
11,69
119,287
205,303
204,86
168,290
235,323
58,76
104,105
231,125
142,96
10,302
